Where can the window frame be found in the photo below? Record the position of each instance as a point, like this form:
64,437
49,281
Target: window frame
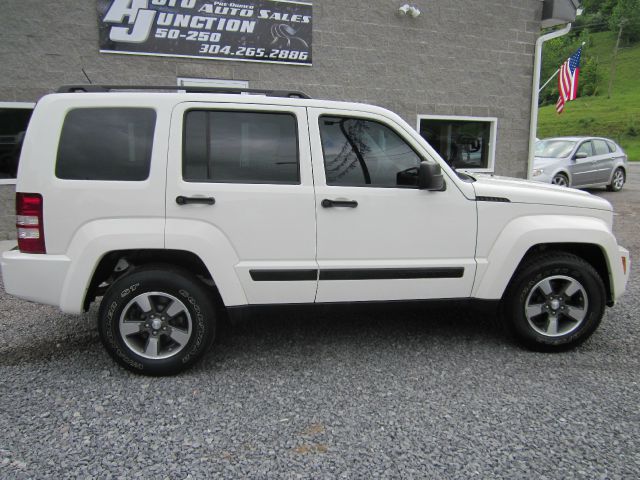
17,106
379,122
493,136
239,110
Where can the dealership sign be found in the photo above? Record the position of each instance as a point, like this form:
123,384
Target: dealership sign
255,31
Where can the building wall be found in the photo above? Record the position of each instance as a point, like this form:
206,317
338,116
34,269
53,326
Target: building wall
469,57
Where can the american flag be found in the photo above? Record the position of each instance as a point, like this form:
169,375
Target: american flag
568,80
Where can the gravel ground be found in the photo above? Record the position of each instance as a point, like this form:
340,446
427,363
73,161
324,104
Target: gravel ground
402,394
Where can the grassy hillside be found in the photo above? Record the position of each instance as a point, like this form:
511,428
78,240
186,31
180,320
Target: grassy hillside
617,117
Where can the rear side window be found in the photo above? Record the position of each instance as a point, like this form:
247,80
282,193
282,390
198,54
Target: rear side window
240,147
600,147
106,144
612,146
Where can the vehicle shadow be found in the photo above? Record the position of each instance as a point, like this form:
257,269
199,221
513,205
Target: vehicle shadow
285,332
362,330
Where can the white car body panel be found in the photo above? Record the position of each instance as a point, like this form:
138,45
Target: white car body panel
267,226
274,227
391,228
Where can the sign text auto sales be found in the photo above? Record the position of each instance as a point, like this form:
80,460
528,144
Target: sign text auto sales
259,31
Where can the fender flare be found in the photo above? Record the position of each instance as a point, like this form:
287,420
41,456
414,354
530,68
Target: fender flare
96,238
215,250
521,234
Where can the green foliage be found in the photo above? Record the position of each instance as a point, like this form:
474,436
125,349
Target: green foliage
626,13
604,7
589,77
632,128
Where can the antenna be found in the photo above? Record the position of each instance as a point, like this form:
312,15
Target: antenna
87,76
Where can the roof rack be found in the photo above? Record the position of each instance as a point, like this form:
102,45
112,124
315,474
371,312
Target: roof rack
183,88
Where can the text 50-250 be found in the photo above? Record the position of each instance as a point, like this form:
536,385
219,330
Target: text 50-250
193,35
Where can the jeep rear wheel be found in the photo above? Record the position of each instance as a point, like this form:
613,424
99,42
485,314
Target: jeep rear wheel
554,302
157,320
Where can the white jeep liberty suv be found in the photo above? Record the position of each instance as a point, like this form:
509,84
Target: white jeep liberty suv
173,205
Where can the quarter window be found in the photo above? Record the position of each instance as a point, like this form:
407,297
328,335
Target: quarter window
240,147
366,153
106,144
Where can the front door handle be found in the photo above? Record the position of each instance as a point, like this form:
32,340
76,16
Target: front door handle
326,203
180,200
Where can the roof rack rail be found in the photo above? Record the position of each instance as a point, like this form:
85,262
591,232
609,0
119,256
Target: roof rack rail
129,88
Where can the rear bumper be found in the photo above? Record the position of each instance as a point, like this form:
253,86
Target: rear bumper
35,277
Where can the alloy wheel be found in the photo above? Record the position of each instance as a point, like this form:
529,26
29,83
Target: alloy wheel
556,306
155,325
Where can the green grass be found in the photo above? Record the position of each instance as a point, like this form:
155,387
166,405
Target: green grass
616,117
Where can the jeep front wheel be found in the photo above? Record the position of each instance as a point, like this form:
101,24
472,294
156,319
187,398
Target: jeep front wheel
554,302
157,320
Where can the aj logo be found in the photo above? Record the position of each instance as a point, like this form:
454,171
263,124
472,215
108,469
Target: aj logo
135,13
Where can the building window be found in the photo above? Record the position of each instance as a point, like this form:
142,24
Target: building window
211,83
14,118
463,142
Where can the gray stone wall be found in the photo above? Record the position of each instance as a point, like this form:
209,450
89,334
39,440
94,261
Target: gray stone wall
7,212
469,57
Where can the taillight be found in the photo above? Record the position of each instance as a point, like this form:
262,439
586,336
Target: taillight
29,223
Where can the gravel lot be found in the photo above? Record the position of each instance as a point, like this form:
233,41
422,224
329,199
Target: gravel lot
437,394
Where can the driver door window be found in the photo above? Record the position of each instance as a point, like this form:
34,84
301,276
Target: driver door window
586,148
360,152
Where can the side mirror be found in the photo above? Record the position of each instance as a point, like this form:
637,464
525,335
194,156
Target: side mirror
430,177
580,156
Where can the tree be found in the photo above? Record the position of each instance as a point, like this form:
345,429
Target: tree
603,7
625,19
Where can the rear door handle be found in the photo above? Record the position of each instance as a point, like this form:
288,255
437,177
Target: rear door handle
180,200
326,203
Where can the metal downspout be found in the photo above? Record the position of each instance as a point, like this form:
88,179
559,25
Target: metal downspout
535,94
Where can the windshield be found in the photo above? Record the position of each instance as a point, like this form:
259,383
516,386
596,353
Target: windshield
554,148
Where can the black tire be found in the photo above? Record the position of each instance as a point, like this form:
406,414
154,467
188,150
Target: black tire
172,335
560,179
555,328
618,180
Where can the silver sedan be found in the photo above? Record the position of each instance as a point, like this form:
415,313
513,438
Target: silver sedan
580,162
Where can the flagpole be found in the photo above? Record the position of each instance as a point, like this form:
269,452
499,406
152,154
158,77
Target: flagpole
547,82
